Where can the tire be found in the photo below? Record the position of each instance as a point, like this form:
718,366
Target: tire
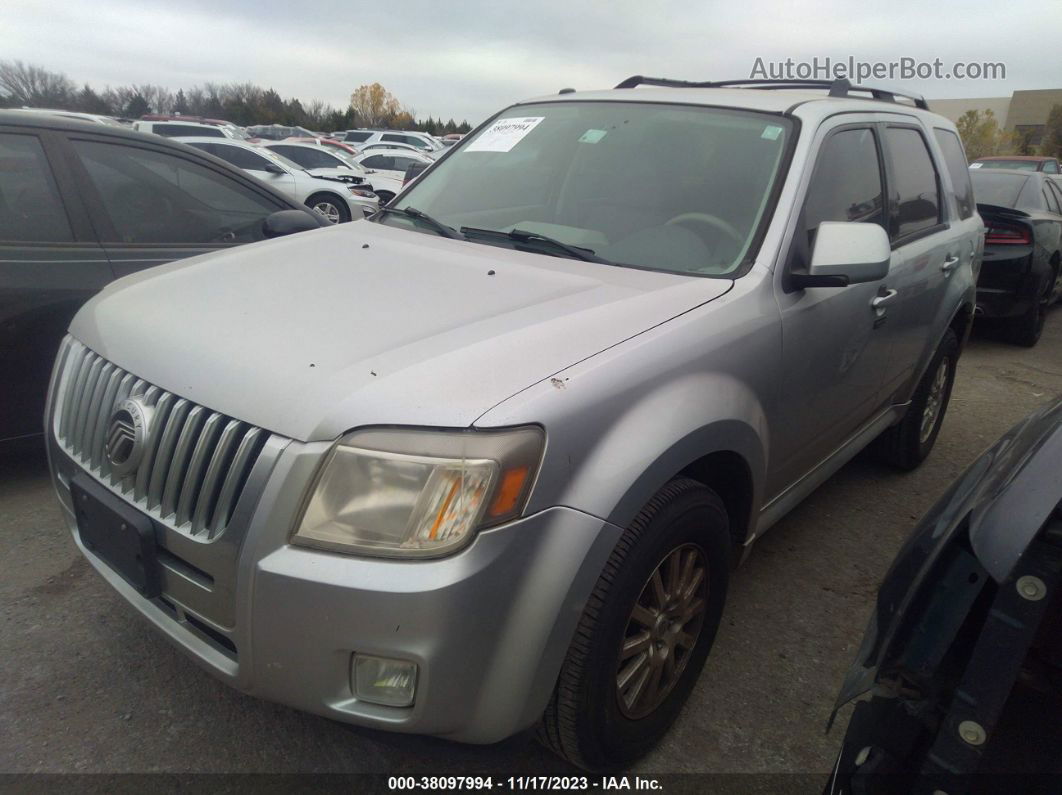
1026,330
385,196
907,444
585,721
332,208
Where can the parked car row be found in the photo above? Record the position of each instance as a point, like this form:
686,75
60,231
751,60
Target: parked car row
320,156
398,139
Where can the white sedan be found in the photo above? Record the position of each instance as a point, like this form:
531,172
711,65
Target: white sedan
391,162
320,161
337,199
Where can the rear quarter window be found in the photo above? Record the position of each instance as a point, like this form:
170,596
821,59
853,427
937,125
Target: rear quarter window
958,170
30,207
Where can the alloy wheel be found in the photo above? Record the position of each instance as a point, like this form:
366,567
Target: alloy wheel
935,400
662,631
328,210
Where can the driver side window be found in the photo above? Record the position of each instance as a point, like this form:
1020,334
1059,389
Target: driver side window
151,197
846,185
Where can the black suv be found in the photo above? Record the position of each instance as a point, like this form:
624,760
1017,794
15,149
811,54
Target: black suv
82,204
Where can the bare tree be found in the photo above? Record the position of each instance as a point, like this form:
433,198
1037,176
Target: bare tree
318,113
159,98
24,84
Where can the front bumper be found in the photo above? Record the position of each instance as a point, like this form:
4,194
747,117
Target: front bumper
488,627
361,207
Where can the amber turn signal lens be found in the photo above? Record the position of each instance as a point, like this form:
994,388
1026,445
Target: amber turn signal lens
509,491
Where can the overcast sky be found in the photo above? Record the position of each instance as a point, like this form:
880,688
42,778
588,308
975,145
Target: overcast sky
468,58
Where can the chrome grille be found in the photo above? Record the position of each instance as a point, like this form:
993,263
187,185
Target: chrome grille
195,460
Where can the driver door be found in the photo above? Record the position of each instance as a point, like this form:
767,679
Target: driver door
835,349
152,206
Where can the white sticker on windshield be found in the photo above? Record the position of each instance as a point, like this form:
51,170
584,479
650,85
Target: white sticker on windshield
975,165
771,132
592,136
504,134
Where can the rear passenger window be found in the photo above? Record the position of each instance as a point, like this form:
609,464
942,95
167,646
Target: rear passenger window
958,170
382,162
846,185
30,207
236,155
914,199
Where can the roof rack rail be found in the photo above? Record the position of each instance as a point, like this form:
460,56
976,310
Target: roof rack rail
836,88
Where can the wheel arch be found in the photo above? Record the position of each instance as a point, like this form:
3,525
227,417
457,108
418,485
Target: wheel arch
962,322
726,456
327,194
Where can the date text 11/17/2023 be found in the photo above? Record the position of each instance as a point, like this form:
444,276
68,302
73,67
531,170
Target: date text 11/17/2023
523,783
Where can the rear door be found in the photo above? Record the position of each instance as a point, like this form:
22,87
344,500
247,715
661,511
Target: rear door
50,264
383,164
152,205
933,242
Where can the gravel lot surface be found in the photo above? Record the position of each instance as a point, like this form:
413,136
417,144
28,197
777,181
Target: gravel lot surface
87,686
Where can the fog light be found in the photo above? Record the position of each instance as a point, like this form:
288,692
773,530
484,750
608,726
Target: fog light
381,680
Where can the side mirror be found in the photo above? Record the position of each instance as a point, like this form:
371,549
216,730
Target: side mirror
288,222
846,253
273,168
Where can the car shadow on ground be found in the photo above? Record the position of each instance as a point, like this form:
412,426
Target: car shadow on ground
23,459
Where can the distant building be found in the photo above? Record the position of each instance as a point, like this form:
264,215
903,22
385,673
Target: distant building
1024,112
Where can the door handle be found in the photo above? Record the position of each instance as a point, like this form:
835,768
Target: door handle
880,301
950,264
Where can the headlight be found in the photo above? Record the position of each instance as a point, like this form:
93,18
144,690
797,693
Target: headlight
357,190
411,493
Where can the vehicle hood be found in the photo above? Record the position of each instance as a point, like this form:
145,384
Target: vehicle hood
1001,502
359,324
343,174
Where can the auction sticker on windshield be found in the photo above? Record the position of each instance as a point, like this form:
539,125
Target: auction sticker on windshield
504,134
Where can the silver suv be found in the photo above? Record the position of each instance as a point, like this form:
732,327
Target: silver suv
485,461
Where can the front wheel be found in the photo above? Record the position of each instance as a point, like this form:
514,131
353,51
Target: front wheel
332,208
907,444
385,196
645,631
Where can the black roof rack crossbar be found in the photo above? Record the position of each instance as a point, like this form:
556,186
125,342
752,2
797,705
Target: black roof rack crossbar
836,88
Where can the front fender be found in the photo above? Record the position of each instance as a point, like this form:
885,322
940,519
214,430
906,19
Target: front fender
621,424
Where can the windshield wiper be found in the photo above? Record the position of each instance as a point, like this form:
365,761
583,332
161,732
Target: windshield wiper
414,213
523,236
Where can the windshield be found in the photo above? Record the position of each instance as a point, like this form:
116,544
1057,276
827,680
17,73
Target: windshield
667,187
